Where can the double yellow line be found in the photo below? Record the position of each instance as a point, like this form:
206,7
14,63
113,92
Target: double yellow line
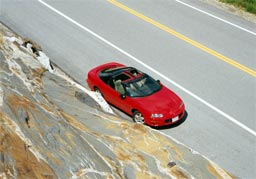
184,38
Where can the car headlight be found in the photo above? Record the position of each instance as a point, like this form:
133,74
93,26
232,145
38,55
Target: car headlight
157,115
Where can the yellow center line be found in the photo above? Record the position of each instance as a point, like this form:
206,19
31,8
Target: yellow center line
184,38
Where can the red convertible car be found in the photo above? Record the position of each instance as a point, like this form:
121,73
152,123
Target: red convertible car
137,94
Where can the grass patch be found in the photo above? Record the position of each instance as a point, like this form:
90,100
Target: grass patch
247,5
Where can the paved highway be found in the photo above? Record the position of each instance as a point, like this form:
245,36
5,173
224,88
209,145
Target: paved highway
204,54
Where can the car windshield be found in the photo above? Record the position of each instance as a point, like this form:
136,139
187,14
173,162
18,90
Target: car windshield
143,86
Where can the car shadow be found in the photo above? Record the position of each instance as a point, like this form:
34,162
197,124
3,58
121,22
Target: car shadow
173,125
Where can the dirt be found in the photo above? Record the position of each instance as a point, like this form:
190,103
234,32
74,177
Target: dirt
232,9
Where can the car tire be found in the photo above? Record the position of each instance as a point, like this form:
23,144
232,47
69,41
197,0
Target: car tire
97,90
138,117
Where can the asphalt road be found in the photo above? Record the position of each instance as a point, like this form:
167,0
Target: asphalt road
207,56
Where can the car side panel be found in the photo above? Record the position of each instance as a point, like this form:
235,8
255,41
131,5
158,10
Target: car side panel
114,97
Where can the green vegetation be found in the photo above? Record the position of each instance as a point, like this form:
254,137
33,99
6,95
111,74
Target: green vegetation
248,5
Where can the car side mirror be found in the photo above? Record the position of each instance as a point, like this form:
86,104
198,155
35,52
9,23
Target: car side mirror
158,81
122,96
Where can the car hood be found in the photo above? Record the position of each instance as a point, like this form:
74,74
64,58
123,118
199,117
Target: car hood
164,101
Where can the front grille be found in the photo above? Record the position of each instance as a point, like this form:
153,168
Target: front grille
168,120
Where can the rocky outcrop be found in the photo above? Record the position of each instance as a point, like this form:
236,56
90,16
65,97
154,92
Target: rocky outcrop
52,127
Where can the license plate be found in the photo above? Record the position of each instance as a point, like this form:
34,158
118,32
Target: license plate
175,119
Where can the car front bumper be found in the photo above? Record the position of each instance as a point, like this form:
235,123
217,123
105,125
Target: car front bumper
157,122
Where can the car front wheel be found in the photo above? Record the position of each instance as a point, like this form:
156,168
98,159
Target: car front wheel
138,117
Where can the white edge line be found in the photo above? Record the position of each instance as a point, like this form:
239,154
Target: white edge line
237,26
153,70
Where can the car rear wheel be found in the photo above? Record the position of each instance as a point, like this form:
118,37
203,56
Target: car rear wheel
97,90
138,117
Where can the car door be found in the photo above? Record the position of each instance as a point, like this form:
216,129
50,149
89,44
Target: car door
116,95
